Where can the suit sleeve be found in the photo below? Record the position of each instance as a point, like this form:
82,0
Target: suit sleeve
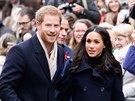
11,75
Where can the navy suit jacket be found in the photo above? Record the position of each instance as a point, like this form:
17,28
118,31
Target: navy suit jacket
26,76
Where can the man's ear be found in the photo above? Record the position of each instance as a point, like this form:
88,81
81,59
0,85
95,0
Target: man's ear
37,23
33,22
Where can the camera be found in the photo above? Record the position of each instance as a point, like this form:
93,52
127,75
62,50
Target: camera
126,19
132,12
67,6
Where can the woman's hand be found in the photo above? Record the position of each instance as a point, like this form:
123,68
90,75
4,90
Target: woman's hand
133,37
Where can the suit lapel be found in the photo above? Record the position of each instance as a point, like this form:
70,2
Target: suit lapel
40,56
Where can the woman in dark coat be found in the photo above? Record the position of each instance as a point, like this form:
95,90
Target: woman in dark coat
96,75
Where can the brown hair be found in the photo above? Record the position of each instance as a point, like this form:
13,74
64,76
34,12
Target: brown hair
51,10
87,22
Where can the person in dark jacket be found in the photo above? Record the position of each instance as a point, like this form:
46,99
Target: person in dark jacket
33,68
95,73
87,9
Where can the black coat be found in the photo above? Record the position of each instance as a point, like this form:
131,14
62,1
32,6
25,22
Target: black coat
26,75
90,85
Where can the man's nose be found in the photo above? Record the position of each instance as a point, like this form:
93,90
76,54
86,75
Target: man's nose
21,26
64,32
52,29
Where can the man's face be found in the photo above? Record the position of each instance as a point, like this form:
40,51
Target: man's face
24,23
64,28
49,29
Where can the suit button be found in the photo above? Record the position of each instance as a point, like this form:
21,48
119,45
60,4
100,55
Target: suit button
85,88
102,89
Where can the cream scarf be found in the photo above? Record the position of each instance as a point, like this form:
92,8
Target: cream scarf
52,60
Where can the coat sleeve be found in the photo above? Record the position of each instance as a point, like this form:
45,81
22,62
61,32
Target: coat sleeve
63,86
129,61
117,94
12,72
92,13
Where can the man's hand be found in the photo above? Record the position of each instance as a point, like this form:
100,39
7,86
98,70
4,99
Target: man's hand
77,9
61,9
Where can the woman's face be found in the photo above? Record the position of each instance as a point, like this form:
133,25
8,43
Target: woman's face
79,30
100,4
120,42
94,44
114,5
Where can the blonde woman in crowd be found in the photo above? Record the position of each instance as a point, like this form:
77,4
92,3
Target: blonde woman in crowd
122,35
113,10
7,40
123,41
79,28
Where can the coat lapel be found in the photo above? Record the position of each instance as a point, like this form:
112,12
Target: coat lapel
40,56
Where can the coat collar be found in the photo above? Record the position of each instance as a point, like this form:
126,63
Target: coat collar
84,66
40,55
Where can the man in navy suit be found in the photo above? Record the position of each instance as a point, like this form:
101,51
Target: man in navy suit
33,68
61,40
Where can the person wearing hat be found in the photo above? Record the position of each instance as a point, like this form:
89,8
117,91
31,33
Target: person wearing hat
114,7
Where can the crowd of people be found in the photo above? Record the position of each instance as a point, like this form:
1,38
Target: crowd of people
67,50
